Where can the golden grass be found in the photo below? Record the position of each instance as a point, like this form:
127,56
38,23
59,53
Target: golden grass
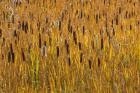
70,46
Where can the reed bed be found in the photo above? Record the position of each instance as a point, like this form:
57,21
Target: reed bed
69,46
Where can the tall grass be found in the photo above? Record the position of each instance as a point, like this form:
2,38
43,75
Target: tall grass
69,46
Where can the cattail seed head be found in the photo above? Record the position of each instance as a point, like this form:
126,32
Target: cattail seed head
67,46
75,37
23,55
0,33
81,57
89,62
99,62
69,61
57,48
80,46
40,40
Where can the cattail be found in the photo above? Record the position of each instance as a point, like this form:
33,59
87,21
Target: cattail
74,37
26,27
59,25
70,29
2,57
129,15
11,55
126,14
39,40
112,23
38,25
102,43
69,61
76,13
120,10
15,41
57,48
45,43
97,18
138,23
22,53
86,2
80,46
99,62
0,33
81,15
46,20
130,27
83,29
23,26
113,32
11,48
19,25
117,20
13,19
92,44
134,3
101,34
104,2
62,16
69,26
9,24
15,33
31,29
122,27
81,57
29,48
67,46
89,62
50,40
4,17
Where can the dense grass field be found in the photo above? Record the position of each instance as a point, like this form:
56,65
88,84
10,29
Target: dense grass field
69,46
